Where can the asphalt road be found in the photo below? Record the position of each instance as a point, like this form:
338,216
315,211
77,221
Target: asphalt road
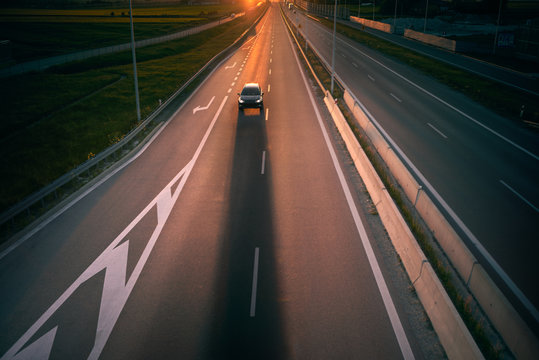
481,168
230,235
515,79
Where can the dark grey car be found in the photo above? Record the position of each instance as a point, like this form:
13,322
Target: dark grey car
251,96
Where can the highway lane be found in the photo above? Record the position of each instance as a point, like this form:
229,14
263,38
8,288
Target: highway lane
481,165
513,78
230,235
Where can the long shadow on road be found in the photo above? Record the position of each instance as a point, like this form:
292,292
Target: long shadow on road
235,334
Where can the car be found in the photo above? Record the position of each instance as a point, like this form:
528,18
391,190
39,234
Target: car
251,96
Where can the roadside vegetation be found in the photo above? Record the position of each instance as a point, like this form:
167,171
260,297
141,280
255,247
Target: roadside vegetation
57,119
39,33
462,300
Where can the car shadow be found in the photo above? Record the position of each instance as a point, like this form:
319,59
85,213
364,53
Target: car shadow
235,333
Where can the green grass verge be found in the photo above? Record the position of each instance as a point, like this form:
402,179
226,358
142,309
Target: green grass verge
462,304
40,33
502,99
41,148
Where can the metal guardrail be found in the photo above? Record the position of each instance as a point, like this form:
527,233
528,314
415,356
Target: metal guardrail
39,196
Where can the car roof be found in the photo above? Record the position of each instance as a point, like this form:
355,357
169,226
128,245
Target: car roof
251,85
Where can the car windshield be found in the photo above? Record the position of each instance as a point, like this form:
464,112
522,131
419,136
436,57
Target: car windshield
250,91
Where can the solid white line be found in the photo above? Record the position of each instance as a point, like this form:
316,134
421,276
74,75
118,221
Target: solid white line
255,284
438,131
395,97
267,114
520,196
501,273
263,163
446,103
497,268
47,221
117,287
396,324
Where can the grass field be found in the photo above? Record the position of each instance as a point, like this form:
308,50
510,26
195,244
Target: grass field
113,13
48,129
40,33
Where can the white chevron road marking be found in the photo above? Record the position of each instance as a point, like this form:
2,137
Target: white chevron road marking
113,260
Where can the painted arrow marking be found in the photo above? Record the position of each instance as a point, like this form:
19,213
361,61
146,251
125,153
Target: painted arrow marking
117,285
200,108
230,67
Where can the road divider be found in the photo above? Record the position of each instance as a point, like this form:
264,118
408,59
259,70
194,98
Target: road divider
453,334
516,333
377,25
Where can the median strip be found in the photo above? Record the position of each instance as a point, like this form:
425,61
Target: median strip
453,334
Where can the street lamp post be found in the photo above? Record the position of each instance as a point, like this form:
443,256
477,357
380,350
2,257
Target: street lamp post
426,11
305,27
134,59
395,19
497,26
333,53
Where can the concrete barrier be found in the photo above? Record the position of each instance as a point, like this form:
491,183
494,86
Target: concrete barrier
512,328
438,41
444,317
452,332
461,258
515,332
373,24
502,314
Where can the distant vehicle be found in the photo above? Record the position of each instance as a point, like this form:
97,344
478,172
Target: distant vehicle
251,96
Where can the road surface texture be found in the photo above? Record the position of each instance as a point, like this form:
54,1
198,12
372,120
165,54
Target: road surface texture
231,235
482,169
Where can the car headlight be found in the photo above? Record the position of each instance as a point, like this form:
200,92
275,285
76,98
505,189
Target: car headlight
241,101
259,100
